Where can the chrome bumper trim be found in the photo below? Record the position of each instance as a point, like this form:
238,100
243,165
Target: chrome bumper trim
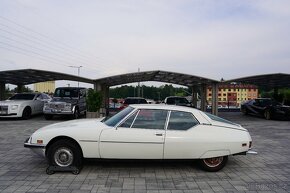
252,152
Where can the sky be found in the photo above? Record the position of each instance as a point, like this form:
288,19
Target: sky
213,39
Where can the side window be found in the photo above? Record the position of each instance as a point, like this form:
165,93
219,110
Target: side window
181,121
129,121
150,119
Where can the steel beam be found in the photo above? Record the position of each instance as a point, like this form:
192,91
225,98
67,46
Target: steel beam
203,102
2,91
214,102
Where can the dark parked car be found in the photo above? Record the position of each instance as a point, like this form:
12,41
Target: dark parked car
133,100
266,107
177,100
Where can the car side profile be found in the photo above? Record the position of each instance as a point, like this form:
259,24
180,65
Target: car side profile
267,108
23,105
143,132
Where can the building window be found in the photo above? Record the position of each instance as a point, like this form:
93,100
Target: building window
220,94
220,99
224,89
224,94
209,94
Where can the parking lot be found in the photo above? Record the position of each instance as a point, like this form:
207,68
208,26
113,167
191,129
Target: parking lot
23,171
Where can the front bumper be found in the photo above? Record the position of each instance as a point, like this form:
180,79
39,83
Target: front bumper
36,148
251,152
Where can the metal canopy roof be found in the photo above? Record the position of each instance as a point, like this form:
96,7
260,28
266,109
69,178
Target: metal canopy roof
160,76
30,76
280,80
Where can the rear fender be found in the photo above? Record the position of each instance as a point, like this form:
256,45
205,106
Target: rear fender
215,153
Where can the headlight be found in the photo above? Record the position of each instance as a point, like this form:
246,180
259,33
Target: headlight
14,107
46,105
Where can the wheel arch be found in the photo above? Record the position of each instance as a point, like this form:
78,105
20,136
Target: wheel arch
26,106
63,138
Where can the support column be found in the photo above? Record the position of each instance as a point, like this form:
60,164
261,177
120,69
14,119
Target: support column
2,91
19,88
214,102
194,96
203,102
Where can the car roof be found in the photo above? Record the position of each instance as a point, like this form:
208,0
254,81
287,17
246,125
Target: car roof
165,107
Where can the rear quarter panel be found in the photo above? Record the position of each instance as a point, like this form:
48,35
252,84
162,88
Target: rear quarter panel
205,141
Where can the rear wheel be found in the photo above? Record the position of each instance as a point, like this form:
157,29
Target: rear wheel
64,153
26,114
213,164
267,115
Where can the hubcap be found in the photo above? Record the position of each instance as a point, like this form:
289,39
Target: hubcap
63,157
213,162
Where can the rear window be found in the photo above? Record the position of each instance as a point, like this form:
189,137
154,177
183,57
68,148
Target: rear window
216,118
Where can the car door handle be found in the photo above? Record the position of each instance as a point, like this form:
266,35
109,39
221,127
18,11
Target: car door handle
159,134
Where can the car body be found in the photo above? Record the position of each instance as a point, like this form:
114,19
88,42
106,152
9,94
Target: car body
177,100
68,101
267,108
23,105
143,132
133,100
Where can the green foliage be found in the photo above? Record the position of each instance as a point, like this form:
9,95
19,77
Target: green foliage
94,100
150,92
283,95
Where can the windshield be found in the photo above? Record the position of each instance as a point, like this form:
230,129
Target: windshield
118,117
66,92
22,97
216,118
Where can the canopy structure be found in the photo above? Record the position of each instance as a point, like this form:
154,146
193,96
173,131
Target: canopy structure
158,75
30,76
276,80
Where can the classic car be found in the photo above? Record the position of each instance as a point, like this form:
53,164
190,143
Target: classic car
69,101
23,105
267,108
143,132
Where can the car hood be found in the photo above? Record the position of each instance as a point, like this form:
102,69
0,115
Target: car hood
13,102
80,123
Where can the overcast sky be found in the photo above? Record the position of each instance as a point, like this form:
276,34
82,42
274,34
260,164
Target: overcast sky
209,38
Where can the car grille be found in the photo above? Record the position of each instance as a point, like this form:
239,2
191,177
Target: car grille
3,110
57,106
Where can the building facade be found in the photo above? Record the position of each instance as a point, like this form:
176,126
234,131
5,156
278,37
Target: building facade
47,87
232,95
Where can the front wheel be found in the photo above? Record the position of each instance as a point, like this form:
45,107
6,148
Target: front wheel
64,153
213,164
26,114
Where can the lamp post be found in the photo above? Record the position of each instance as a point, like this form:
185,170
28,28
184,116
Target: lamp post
78,67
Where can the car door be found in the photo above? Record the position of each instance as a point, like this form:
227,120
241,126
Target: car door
141,136
38,104
181,140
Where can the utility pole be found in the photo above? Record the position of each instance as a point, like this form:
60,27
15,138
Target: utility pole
78,67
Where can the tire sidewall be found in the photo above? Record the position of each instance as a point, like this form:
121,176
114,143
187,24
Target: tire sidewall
26,113
77,155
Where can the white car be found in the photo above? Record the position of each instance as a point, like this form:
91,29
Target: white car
23,105
143,132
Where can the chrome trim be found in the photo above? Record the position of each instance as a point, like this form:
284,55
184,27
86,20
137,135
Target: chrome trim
252,152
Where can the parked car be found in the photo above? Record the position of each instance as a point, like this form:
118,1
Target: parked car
177,100
133,100
143,132
68,101
267,108
23,105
